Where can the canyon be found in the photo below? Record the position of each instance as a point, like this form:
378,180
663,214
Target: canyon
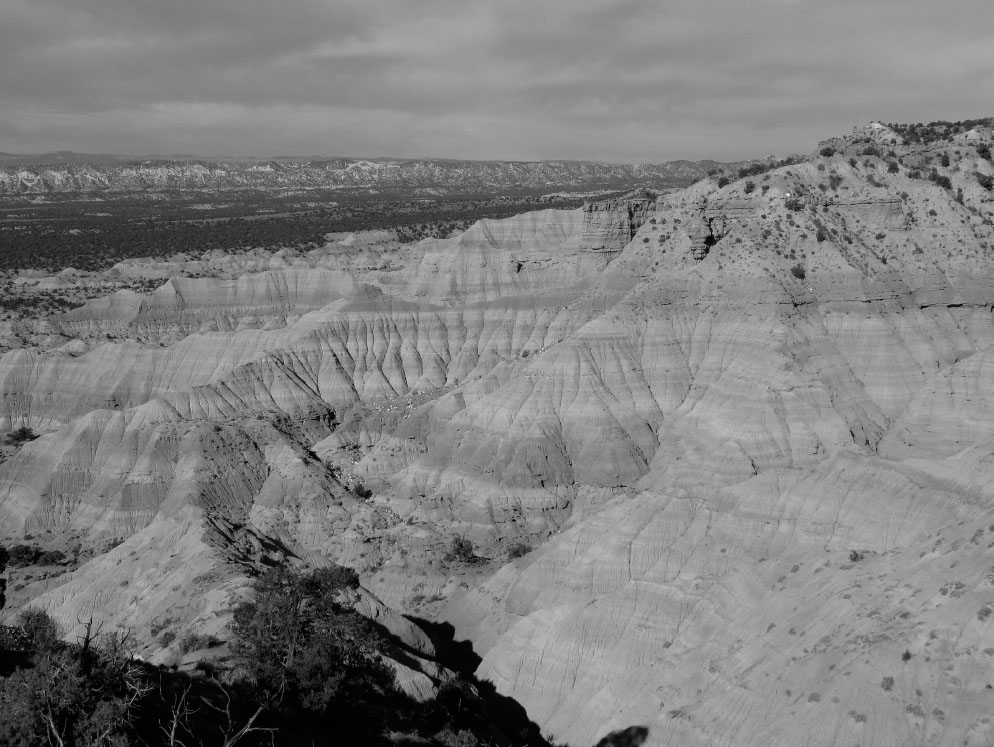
723,453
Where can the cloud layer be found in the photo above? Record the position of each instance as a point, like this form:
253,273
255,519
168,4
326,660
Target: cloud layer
616,80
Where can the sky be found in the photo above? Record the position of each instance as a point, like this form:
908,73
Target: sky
624,81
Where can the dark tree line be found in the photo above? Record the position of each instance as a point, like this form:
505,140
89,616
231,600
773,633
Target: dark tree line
939,130
53,237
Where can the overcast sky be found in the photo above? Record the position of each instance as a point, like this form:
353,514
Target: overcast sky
610,80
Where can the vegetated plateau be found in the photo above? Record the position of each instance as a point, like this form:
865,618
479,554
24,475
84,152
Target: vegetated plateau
685,465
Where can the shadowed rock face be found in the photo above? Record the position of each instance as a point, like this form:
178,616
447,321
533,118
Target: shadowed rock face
694,442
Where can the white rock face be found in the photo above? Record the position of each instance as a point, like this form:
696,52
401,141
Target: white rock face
749,437
692,615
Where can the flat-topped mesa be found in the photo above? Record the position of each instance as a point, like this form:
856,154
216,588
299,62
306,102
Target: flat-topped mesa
608,225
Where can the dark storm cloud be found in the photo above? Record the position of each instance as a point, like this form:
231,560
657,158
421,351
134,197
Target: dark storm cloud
616,80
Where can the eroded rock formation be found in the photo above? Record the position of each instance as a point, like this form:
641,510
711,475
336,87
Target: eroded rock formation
746,430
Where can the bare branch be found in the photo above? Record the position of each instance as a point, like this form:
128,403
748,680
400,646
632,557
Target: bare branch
180,711
230,734
53,731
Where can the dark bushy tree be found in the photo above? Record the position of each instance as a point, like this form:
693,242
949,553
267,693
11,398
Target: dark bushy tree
76,696
300,641
21,555
21,435
462,550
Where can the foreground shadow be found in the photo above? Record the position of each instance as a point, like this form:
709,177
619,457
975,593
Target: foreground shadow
633,736
460,657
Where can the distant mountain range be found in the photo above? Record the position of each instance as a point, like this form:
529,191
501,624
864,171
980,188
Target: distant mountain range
65,172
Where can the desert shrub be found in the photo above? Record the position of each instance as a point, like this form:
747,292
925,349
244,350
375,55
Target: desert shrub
827,151
887,683
195,642
985,181
906,656
723,181
942,181
518,550
750,186
167,637
794,204
821,234
984,151
461,550
21,555
21,435
798,272
834,180
892,167
51,557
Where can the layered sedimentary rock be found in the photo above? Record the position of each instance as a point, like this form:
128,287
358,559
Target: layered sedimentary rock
845,604
609,225
33,175
184,305
745,428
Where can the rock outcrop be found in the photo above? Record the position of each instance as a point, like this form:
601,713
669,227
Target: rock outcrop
609,225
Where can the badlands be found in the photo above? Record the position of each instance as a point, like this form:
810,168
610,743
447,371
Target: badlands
724,454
